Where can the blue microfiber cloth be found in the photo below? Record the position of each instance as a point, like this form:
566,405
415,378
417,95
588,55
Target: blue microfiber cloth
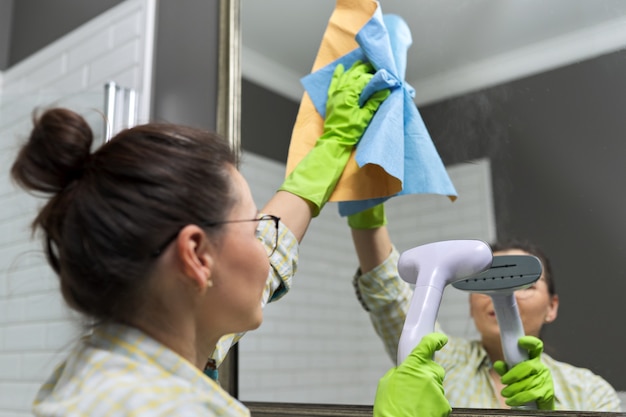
396,139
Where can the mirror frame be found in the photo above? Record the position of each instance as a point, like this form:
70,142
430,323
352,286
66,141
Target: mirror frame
229,74
268,409
229,126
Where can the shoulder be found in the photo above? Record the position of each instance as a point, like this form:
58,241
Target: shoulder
574,374
578,388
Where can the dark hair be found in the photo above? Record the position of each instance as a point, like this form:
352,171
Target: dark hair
108,210
532,249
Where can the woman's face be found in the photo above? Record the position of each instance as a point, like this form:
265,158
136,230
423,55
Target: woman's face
241,268
536,307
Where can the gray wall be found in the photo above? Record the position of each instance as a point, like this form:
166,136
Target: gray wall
185,89
36,23
6,13
267,120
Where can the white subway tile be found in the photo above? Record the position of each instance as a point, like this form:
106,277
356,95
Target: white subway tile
25,336
89,49
13,309
17,395
10,366
45,307
61,334
116,60
36,367
127,30
35,279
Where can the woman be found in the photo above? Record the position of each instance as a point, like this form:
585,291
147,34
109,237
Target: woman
475,374
156,239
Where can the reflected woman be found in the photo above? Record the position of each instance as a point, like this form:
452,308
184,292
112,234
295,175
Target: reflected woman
476,376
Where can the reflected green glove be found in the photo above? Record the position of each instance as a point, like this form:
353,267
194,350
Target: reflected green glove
415,387
370,218
528,381
315,177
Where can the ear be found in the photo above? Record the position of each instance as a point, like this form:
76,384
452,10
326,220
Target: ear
553,309
195,254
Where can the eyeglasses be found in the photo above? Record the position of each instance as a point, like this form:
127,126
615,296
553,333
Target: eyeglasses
265,236
527,292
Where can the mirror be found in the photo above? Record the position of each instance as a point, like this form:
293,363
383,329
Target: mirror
530,92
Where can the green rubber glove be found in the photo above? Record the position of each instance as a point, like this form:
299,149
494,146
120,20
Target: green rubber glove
415,387
528,381
315,177
370,218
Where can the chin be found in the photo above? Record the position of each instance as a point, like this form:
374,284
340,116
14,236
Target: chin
257,322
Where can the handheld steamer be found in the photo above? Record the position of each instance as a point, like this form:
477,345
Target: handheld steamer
507,274
431,267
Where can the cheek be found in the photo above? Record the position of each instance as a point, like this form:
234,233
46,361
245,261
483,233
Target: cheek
533,314
262,259
479,302
257,266
245,265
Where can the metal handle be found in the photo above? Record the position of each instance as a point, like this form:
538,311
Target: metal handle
120,109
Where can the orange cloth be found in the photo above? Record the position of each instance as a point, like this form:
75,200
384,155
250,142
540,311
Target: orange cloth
370,181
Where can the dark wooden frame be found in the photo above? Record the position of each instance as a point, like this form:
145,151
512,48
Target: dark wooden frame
267,409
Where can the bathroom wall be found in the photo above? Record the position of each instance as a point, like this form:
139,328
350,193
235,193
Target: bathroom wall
36,23
6,12
35,326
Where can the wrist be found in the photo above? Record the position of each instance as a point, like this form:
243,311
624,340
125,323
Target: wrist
316,175
371,218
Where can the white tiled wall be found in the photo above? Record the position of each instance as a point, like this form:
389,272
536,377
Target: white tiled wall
35,326
317,344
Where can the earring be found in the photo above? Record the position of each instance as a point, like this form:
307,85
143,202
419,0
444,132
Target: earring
209,283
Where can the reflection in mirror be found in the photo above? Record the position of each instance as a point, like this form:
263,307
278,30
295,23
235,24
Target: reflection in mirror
523,100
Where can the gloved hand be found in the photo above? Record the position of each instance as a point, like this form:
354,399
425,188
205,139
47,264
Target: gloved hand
415,387
370,218
315,177
528,381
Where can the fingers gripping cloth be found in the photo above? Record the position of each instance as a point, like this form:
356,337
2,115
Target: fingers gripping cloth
395,155
348,114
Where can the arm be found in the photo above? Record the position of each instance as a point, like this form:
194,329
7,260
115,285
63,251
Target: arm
309,186
370,237
372,247
380,290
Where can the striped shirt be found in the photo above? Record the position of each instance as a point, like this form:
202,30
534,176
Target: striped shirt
468,383
118,370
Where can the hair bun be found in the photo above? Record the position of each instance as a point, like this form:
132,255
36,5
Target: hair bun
56,152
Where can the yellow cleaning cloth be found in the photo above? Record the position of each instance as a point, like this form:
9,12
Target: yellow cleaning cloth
370,181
